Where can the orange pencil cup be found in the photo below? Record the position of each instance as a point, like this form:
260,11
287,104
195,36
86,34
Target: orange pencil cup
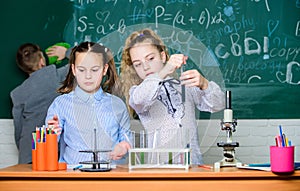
40,156
52,152
33,156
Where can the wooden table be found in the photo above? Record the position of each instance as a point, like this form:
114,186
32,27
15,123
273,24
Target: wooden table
21,177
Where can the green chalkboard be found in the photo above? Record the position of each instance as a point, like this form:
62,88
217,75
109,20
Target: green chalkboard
40,22
250,47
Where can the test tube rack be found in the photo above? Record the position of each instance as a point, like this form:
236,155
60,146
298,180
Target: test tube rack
97,165
159,158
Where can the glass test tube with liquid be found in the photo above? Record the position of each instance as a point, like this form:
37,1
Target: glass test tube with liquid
142,145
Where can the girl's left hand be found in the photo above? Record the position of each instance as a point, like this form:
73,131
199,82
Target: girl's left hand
193,78
120,150
176,61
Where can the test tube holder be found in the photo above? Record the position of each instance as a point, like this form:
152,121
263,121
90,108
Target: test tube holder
137,161
97,165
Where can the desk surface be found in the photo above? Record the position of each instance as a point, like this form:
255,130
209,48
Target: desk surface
24,170
229,178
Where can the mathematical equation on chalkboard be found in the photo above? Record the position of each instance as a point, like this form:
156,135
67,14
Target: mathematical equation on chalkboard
249,41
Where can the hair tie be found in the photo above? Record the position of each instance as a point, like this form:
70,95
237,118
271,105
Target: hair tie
141,35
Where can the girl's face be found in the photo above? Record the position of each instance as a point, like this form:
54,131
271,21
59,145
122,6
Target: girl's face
146,59
89,71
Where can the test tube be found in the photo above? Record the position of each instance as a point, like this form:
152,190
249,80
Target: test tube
142,139
133,139
155,144
182,86
142,145
133,157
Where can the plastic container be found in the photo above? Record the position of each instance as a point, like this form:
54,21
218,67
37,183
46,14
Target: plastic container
282,159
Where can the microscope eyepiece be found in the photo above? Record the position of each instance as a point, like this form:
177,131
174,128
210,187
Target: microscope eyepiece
228,100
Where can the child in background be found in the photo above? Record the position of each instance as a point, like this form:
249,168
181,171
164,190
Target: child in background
156,97
32,98
87,110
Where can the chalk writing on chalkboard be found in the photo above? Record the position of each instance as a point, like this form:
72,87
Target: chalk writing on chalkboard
226,28
250,47
247,46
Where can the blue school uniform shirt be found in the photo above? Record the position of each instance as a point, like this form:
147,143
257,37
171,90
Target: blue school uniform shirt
96,121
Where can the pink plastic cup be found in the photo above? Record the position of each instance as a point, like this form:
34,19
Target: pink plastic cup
282,159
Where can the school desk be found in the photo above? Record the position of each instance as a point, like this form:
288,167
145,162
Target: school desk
21,177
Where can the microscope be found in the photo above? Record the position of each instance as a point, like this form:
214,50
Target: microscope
228,124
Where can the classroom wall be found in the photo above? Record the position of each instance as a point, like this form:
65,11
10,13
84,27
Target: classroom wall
254,137
264,89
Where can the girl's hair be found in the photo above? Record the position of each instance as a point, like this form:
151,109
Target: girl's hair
111,75
128,75
28,57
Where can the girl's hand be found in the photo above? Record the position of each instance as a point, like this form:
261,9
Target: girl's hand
120,150
193,78
175,62
54,123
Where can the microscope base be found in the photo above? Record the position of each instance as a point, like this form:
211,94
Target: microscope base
224,163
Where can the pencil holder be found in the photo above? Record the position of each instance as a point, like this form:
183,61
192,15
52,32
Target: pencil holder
33,158
282,159
52,152
41,156
62,166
